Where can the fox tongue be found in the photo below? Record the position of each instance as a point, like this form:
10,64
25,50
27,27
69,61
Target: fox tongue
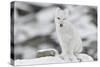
61,25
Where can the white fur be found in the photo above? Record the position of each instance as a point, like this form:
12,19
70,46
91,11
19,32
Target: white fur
68,36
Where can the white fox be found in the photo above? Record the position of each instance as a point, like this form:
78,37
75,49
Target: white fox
68,36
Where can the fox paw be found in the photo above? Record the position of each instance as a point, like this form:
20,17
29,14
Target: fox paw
69,58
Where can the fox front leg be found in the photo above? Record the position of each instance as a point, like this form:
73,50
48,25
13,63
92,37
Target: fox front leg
68,57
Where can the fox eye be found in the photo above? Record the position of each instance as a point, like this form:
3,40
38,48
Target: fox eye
58,18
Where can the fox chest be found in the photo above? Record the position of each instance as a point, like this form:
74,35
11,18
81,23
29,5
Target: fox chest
64,35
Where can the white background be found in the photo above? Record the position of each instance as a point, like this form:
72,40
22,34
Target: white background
5,32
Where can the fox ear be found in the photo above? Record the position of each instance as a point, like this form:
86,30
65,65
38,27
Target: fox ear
57,11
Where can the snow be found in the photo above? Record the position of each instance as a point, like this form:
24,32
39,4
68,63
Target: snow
51,60
43,60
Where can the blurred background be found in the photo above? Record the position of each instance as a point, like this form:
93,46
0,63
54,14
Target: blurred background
33,28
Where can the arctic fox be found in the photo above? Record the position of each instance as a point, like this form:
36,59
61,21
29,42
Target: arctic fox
68,36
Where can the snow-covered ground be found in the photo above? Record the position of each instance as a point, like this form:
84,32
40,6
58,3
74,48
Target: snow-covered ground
43,60
51,60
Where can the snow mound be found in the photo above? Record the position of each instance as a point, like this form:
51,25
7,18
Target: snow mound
84,58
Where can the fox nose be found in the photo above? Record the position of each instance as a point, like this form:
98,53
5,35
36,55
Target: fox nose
61,25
